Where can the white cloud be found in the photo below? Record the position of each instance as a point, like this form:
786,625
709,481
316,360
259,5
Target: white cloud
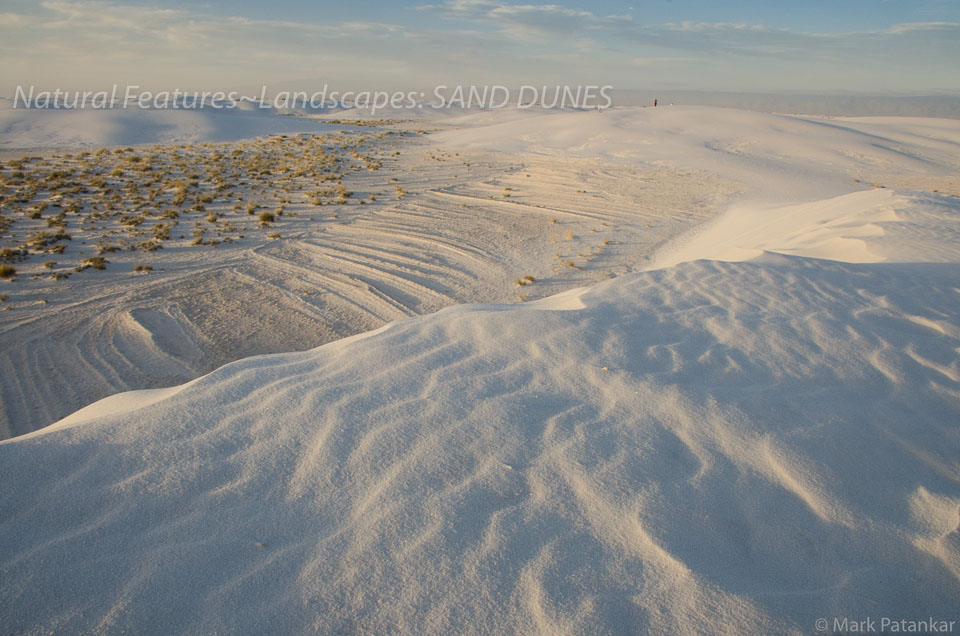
79,44
928,42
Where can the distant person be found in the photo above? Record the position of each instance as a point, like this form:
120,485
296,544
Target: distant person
654,103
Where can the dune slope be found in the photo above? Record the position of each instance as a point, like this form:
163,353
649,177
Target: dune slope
722,446
713,446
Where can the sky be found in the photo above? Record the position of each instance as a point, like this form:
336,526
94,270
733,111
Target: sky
816,46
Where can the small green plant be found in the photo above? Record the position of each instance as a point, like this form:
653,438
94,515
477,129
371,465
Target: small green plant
7,270
266,218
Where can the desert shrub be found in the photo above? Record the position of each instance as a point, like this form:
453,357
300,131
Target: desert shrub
107,248
161,231
267,217
59,220
180,196
7,270
150,246
96,262
39,240
10,255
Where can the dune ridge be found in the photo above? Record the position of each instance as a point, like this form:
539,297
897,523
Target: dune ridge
761,434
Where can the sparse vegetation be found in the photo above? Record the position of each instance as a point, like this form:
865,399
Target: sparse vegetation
123,199
96,262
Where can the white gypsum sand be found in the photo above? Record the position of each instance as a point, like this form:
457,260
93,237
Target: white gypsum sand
368,225
759,433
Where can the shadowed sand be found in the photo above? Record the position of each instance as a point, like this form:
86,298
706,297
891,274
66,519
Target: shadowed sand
754,429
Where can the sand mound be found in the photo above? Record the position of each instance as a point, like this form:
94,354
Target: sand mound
737,447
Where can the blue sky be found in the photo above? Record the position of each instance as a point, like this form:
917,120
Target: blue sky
869,46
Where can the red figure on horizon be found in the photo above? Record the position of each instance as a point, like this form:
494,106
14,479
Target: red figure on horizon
654,103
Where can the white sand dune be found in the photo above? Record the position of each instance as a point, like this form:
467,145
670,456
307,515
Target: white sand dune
711,446
33,128
450,240
854,228
783,159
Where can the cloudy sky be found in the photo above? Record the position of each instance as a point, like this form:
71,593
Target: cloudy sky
871,46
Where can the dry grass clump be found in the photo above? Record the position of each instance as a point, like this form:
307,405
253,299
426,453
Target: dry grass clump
108,248
96,262
8,255
149,246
